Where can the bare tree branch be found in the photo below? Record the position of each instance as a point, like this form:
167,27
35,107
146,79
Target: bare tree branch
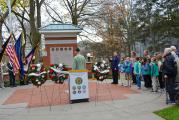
55,19
18,14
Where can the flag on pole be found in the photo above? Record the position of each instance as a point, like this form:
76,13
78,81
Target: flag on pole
18,51
29,57
23,39
4,47
13,58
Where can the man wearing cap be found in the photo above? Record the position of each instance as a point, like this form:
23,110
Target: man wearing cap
79,61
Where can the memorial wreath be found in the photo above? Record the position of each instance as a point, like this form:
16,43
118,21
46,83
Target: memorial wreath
101,70
37,74
58,73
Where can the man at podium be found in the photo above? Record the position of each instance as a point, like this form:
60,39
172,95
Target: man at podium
79,61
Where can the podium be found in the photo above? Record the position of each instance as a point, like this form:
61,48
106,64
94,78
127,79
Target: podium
78,86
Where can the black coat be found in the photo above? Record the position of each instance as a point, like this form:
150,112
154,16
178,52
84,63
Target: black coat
169,65
115,62
10,68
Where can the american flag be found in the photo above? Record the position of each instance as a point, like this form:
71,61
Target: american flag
13,57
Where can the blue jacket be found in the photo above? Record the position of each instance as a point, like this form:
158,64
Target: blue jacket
145,69
128,66
115,62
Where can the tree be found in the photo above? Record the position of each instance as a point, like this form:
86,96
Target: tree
4,14
157,22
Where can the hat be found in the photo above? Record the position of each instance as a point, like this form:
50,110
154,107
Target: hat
77,49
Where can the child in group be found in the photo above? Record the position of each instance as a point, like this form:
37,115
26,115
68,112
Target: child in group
145,69
154,74
121,70
137,72
160,64
133,59
128,70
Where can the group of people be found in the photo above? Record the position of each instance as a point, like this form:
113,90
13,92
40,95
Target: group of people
157,71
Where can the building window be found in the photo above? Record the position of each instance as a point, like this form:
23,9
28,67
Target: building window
69,49
57,49
52,49
61,49
65,49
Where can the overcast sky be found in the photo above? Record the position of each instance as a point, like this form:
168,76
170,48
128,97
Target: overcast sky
47,20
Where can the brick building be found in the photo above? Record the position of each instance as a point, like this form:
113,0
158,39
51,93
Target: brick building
60,43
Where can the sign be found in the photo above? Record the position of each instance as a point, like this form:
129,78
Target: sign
79,85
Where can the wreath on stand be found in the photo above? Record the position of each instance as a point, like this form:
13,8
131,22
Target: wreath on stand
37,74
101,70
58,73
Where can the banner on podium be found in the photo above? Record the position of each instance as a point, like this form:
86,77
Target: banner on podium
79,85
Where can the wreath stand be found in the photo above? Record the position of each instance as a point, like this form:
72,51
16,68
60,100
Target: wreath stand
60,88
39,88
98,84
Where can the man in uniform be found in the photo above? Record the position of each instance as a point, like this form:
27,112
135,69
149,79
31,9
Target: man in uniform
79,61
11,75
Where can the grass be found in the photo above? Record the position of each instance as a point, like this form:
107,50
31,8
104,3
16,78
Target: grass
170,113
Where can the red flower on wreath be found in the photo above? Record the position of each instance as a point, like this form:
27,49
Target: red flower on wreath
51,65
33,79
33,67
51,71
52,77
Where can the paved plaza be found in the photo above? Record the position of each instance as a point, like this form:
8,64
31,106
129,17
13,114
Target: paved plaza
125,104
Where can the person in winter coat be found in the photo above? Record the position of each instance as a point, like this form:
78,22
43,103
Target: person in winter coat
115,68
128,70
160,77
170,71
145,69
133,59
174,50
137,72
11,75
122,70
154,74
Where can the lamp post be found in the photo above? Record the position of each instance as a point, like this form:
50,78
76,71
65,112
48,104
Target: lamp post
88,57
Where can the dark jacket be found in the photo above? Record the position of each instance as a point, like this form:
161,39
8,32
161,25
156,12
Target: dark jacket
169,65
10,67
115,63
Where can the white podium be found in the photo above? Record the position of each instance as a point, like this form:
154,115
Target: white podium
78,86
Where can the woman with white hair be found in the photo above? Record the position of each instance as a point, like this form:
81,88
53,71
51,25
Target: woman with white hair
174,50
169,72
